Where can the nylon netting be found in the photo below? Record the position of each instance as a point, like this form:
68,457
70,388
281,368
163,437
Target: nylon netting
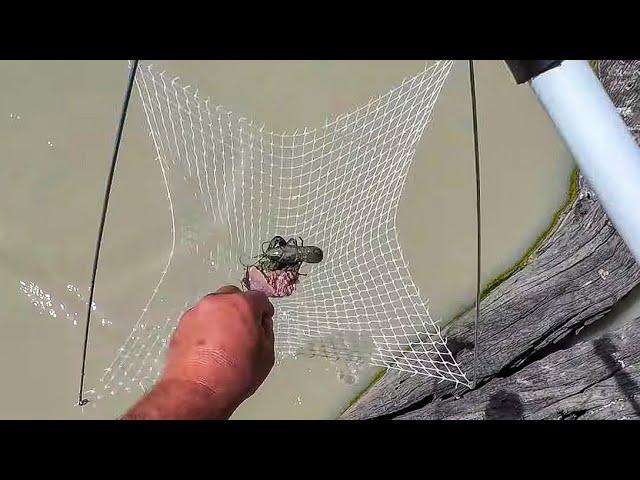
231,184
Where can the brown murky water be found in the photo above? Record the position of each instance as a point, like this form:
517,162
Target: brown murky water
57,121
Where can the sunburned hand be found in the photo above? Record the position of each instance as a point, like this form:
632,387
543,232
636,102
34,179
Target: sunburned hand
220,353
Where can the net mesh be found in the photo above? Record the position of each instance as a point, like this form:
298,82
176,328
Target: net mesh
232,185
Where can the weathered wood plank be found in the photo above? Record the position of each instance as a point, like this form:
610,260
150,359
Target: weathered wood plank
574,277
598,379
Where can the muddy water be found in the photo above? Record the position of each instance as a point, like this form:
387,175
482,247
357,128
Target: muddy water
56,125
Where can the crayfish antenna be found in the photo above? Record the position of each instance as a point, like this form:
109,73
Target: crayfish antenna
243,264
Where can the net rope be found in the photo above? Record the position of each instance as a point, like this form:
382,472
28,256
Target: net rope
231,185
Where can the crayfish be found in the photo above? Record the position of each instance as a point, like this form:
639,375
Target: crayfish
277,270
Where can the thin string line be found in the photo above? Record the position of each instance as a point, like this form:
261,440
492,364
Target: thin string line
472,82
123,115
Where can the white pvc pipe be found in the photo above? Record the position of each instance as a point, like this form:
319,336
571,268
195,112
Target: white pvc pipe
599,140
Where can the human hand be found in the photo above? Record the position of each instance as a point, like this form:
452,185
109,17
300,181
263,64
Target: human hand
220,353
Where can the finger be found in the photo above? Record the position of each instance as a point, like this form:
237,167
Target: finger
267,324
228,289
260,303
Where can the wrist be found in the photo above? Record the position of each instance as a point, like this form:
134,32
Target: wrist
178,399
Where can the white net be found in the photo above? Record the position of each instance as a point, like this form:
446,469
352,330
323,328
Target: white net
232,185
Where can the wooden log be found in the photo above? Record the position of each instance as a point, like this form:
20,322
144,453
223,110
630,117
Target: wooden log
573,277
